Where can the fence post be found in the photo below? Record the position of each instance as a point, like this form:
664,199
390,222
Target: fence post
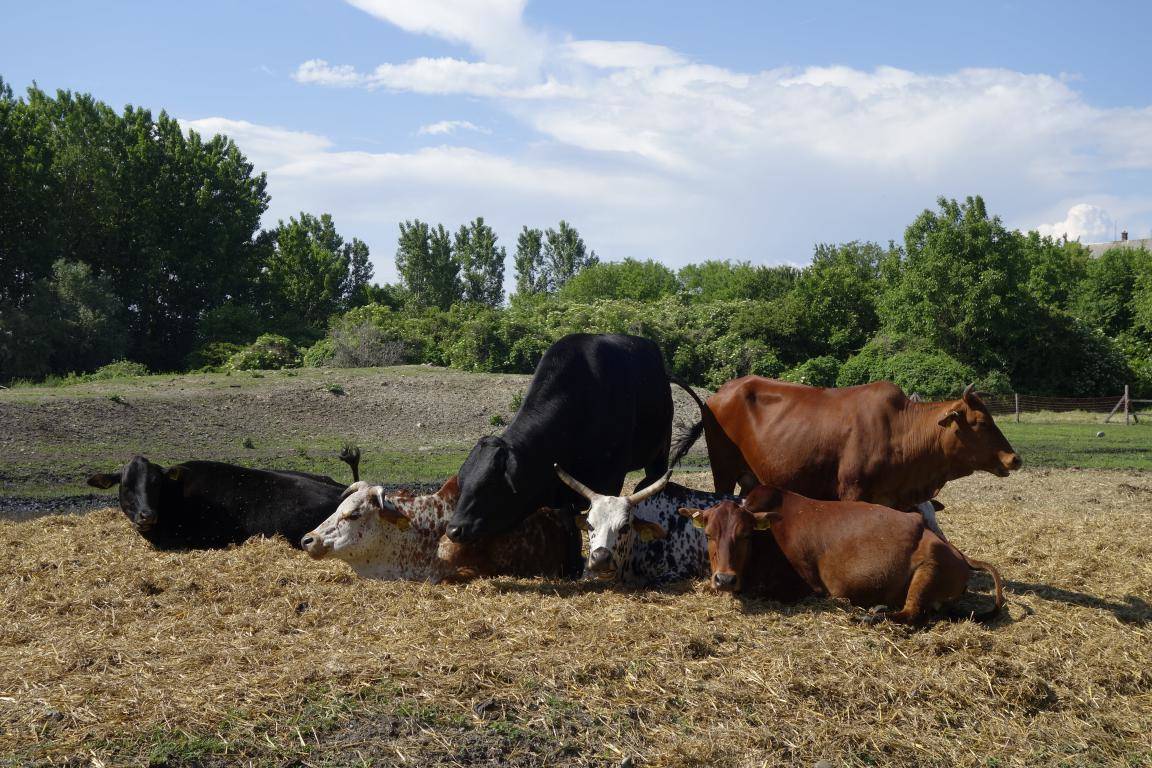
1127,406
1017,396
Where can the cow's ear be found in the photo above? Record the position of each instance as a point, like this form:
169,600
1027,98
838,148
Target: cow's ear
763,520
948,418
391,513
175,473
648,530
581,519
695,516
104,480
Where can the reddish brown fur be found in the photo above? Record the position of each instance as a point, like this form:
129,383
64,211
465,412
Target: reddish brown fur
865,553
857,443
539,546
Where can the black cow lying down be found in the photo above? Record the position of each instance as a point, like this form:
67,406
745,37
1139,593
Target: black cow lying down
209,504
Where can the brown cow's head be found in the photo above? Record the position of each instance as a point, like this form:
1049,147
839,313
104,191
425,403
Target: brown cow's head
729,528
971,438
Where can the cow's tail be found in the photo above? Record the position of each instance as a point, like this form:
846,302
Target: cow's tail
980,565
688,436
350,455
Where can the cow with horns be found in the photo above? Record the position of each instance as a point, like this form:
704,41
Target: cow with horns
640,540
400,537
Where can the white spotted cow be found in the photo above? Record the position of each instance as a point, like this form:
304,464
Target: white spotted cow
401,537
641,539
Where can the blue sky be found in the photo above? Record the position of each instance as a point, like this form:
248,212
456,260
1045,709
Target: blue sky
669,130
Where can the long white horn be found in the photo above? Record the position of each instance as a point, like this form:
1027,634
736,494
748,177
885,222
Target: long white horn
353,488
575,484
651,490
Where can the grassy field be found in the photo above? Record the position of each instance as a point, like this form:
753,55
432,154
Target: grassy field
1067,443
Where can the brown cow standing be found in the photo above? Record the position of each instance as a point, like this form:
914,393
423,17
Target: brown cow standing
868,443
865,553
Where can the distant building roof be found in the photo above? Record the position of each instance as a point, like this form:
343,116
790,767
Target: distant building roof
1098,249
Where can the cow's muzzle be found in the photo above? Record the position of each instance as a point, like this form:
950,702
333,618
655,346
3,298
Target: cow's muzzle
600,563
725,582
1007,462
313,544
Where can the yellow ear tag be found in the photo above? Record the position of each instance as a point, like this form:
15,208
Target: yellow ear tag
698,520
174,473
763,523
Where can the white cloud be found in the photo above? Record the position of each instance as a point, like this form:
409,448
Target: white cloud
494,28
1084,222
424,75
272,146
607,54
445,127
653,154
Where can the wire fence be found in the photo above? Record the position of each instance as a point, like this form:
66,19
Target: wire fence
1120,407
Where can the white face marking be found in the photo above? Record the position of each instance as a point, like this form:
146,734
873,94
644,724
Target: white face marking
610,519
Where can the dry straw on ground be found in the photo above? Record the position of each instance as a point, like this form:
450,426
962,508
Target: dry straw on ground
111,653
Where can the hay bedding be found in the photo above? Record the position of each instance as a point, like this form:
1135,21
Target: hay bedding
109,651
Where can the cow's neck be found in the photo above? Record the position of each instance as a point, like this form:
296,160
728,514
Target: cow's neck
922,465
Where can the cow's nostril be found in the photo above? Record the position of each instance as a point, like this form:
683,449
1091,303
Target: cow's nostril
307,541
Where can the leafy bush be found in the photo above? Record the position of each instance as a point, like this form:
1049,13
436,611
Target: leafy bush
914,368
118,369
815,372
319,354
212,356
268,352
363,346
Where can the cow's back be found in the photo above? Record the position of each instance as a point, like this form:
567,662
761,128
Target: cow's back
806,439
599,405
250,502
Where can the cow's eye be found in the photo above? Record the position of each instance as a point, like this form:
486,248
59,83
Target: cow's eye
353,516
625,528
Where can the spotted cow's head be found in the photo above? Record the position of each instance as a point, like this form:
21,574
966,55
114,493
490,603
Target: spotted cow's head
729,527
613,526
142,487
359,527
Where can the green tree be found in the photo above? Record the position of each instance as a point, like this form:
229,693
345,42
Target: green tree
714,280
1105,297
961,285
1055,269
629,279
481,263
838,292
529,262
167,218
564,255
312,273
426,266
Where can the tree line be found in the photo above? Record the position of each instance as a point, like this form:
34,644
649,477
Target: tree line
123,237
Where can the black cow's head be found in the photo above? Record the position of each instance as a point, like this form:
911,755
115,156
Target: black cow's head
488,492
141,486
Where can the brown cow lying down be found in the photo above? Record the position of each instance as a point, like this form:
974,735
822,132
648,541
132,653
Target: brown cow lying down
401,536
785,546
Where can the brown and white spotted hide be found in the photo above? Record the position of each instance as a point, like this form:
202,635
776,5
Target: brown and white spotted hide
645,542
377,543
401,536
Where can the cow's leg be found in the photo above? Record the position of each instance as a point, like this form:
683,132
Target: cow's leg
727,462
658,464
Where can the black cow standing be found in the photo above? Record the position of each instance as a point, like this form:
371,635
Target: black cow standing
599,406
209,504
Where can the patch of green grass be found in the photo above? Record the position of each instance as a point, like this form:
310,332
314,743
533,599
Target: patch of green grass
1071,444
